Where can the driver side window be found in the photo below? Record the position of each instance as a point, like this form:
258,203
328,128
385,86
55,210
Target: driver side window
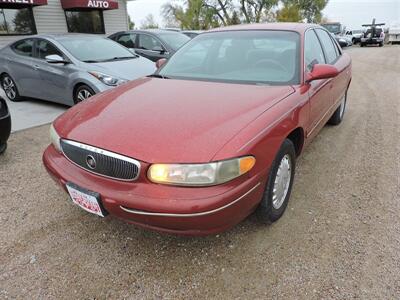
313,52
147,42
45,48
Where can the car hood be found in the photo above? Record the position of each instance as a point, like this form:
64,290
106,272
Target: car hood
128,69
166,120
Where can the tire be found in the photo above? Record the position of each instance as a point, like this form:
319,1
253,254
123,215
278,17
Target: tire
10,88
380,44
82,93
362,44
338,115
3,148
272,206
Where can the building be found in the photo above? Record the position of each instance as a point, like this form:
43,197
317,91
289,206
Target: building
20,18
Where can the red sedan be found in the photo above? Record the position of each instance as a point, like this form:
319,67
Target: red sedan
209,138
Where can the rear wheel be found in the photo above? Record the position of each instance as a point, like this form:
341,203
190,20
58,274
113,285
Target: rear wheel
338,115
10,88
279,185
82,93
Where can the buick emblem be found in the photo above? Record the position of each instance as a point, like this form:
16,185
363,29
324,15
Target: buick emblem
91,162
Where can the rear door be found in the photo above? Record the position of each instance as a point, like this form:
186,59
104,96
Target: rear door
21,68
150,47
334,57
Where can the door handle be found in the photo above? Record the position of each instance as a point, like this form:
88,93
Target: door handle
36,67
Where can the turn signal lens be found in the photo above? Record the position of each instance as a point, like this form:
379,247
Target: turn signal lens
246,164
201,174
55,138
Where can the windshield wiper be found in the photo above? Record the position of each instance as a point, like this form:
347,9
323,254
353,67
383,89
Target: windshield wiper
121,58
91,61
158,76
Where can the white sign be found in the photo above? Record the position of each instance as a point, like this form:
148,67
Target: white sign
17,1
98,4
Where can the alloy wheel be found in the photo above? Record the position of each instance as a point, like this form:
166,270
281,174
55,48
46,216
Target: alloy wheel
282,182
83,94
9,88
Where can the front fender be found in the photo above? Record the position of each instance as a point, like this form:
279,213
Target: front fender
265,135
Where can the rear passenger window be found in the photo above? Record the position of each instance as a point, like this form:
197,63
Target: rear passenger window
23,47
313,53
327,43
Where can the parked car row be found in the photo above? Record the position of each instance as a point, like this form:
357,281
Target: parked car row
69,68
212,136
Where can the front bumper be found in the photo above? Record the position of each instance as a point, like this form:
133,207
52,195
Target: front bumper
185,211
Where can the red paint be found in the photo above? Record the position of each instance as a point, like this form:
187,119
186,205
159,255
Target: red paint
175,121
21,3
90,4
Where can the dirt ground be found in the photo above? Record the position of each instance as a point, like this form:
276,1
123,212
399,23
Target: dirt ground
339,238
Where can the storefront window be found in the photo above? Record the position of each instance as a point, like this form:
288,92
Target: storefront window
90,21
17,21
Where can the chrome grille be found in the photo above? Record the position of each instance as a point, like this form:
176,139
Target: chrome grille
101,162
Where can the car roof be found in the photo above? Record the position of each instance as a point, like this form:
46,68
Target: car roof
298,27
64,36
151,31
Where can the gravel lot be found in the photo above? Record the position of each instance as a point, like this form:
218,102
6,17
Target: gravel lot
339,239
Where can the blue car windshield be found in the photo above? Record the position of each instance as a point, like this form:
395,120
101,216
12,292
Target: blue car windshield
254,57
96,49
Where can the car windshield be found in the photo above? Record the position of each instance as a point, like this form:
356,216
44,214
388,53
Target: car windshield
252,57
96,49
174,39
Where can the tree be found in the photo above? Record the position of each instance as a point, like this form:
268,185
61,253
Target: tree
297,10
149,22
254,10
196,15
131,24
290,12
312,9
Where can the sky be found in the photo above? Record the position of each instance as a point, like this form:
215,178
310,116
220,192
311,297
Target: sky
351,13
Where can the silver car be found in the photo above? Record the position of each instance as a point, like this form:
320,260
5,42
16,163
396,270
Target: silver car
67,68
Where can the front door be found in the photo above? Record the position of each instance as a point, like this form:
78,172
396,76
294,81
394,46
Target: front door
319,90
150,47
52,78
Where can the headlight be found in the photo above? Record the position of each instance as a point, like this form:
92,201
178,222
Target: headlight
201,174
55,138
108,79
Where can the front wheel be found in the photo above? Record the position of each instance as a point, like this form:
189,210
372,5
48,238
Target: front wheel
82,93
279,185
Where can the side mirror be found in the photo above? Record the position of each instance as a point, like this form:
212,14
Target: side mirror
160,62
55,59
322,71
158,49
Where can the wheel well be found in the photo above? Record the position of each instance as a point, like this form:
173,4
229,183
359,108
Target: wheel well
297,138
76,87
